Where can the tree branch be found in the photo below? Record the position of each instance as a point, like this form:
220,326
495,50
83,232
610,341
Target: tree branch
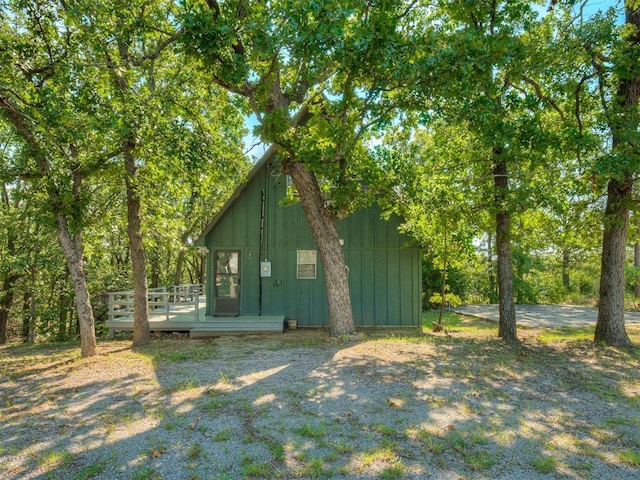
538,89
213,4
17,119
407,10
159,48
577,110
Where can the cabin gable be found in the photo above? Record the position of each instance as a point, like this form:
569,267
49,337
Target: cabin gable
384,271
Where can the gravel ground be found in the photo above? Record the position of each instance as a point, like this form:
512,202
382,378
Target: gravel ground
301,405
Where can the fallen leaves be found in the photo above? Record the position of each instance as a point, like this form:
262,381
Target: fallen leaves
158,452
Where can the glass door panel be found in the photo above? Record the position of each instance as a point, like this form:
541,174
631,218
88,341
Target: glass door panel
227,287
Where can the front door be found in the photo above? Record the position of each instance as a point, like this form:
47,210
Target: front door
227,287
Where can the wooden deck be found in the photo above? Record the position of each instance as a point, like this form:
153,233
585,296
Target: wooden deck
182,309
184,318
206,327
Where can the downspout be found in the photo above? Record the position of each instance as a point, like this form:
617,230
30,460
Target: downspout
261,249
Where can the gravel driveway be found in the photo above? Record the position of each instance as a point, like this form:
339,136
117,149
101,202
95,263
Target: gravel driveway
300,405
548,316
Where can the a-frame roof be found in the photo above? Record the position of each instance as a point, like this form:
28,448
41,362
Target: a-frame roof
268,155
300,118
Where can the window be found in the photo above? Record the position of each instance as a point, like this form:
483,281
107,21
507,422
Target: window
307,264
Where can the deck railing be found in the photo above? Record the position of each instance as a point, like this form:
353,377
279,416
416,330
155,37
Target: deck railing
162,301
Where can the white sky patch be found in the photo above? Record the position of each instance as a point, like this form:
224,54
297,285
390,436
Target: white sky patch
254,148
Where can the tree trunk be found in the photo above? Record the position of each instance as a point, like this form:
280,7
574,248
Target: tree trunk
155,270
507,326
6,300
490,270
177,276
141,333
7,294
636,263
28,315
566,279
323,226
610,327
443,287
63,309
202,270
73,249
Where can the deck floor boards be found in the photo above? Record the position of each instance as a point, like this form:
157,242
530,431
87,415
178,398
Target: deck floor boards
206,326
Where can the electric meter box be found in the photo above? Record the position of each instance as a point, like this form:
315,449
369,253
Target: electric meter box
265,269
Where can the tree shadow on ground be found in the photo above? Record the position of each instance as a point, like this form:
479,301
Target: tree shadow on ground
300,406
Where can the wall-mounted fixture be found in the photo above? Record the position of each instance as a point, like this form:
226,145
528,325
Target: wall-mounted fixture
265,269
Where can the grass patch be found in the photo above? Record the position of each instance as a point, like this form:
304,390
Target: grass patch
384,429
480,460
315,468
277,450
169,426
545,464
630,457
163,352
183,386
194,452
384,454
311,431
252,469
456,440
615,422
215,405
226,376
223,435
567,334
393,472
432,442
91,471
342,447
457,322
55,459
146,473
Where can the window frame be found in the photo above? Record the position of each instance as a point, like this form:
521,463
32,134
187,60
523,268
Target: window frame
303,256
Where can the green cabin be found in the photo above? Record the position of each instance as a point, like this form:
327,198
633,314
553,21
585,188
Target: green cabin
262,259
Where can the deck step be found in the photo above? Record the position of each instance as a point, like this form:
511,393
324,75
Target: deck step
238,326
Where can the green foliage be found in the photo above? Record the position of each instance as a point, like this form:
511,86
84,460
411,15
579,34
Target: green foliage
458,282
105,80
632,276
451,299
323,56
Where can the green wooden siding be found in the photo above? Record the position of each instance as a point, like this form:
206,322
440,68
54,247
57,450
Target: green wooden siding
384,272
